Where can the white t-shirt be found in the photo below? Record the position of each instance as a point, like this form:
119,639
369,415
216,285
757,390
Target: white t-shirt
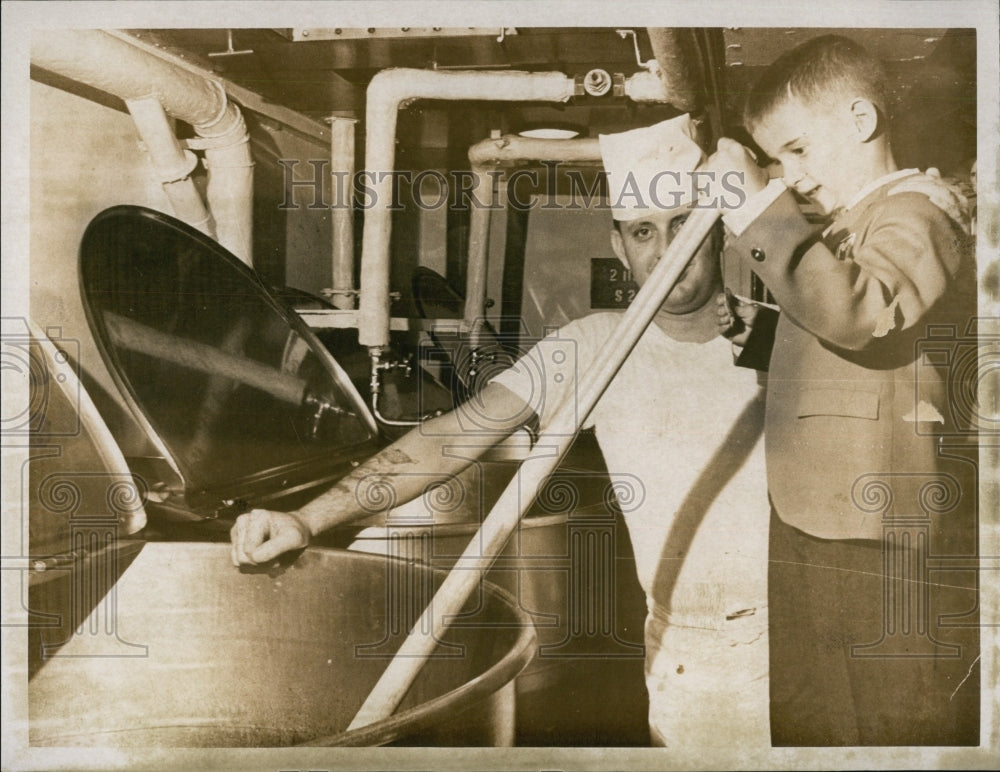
681,431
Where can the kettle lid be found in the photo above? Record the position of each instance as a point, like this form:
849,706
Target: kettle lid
235,390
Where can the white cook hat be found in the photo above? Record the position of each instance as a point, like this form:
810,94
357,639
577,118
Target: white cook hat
650,168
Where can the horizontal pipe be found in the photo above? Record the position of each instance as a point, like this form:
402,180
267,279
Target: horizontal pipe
509,150
646,86
515,149
302,125
105,62
388,91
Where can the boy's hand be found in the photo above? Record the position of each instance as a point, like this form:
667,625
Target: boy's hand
261,535
736,317
739,166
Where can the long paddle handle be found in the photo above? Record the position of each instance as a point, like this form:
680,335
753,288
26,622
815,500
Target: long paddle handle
483,549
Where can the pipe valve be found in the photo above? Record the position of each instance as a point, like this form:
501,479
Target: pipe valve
597,82
379,366
404,364
319,409
649,64
482,357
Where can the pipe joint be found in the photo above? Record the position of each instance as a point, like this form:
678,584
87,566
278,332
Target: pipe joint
214,163
646,86
234,132
186,163
170,160
387,88
153,89
220,123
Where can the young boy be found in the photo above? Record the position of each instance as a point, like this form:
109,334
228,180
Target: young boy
870,643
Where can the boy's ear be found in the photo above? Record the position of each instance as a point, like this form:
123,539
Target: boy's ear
618,246
866,120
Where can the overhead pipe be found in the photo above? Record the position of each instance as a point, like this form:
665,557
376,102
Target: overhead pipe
391,90
388,91
289,119
172,162
229,163
679,69
500,152
342,214
103,61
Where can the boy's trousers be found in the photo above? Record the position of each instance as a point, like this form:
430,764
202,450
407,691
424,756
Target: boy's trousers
871,643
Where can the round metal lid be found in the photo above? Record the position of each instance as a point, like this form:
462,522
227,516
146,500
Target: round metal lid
233,387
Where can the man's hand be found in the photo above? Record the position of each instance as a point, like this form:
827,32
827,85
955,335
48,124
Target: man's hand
731,156
262,535
736,317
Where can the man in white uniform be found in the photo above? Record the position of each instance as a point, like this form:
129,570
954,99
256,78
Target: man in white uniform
680,418
686,423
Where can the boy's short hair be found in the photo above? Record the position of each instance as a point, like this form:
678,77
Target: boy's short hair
826,66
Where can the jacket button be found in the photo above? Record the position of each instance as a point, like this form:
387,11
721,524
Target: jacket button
757,254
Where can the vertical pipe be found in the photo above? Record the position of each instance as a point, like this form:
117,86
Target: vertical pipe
508,151
679,61
483,194
512,282
226,143
387,91
382,105
173,163
342,216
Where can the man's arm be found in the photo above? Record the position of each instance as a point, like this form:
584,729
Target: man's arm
405,466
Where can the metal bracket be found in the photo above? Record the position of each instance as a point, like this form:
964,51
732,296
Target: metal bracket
651,64
230,51
329,292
